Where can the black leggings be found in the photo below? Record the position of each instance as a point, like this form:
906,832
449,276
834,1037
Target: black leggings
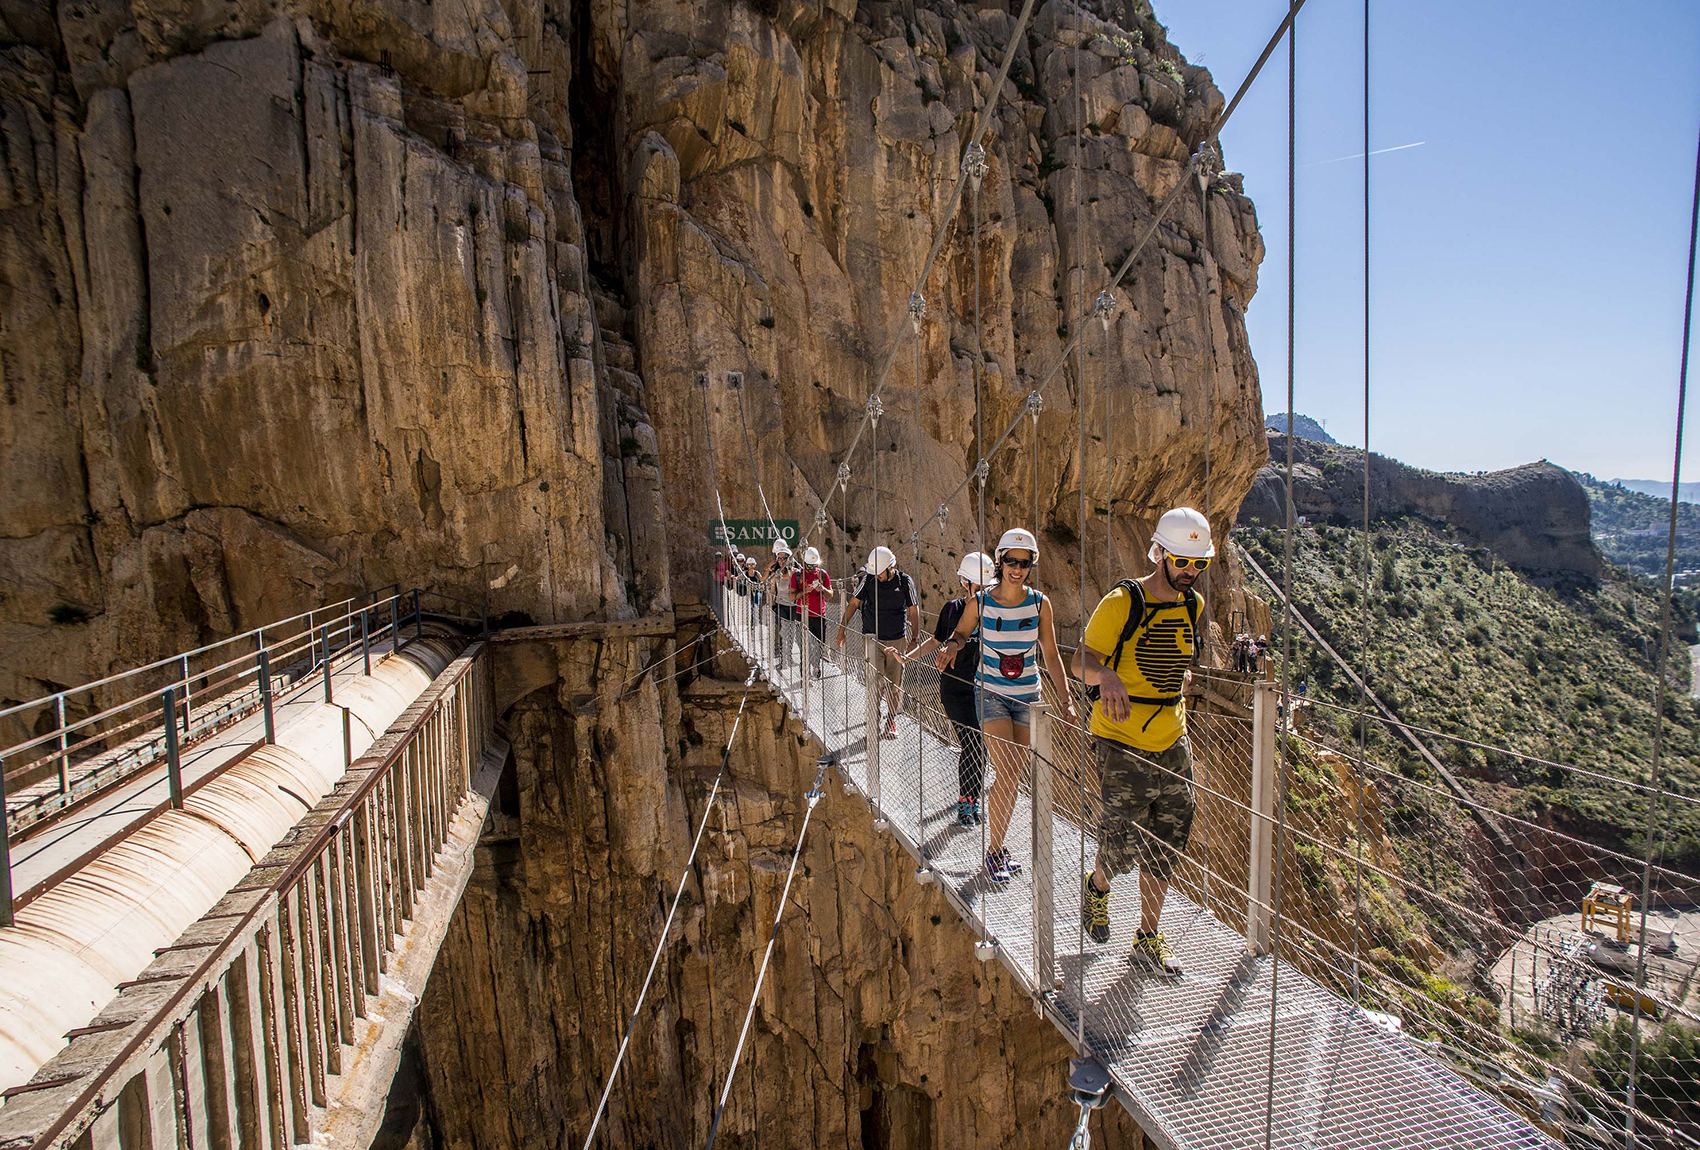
971,763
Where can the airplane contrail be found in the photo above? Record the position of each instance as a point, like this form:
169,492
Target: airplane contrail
1377,152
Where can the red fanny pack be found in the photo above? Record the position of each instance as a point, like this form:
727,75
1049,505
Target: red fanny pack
1011,665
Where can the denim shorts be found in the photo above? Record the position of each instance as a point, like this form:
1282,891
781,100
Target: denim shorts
993,706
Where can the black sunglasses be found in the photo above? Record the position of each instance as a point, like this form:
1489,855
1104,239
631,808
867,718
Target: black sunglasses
1019,564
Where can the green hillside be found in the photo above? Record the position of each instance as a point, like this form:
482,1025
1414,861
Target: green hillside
1463,645
1633,530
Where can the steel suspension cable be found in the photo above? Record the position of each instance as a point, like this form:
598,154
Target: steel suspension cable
666,927
1145,237
1285,710
755,466
1079,271
981,120
1655,804
1364,617
814,797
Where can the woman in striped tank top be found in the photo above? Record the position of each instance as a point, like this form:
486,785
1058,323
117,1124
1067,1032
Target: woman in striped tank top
1015,623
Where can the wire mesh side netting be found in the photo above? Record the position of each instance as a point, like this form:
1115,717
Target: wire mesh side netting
1211,1058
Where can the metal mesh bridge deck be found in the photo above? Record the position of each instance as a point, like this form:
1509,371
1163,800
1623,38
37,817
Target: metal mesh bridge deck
1190,1057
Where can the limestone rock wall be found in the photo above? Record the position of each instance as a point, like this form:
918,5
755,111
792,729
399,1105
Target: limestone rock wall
286,315
784,178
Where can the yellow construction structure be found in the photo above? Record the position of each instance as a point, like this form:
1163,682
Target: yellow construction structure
1605,911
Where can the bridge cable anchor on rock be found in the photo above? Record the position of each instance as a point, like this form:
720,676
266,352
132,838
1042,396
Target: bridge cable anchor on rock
974,164
986,949
1104,307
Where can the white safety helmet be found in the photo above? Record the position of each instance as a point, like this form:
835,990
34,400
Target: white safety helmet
881,560
811,557
1184,532
1018,537
780,547
751,560
977,569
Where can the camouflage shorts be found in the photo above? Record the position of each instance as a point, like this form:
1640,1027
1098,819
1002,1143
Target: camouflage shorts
1147,808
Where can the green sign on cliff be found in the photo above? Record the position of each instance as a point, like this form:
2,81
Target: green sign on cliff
752,532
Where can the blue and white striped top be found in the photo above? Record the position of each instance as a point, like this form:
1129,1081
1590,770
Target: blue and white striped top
1008,638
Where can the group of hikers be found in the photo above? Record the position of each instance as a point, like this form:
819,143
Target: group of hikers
1133,661
1249,654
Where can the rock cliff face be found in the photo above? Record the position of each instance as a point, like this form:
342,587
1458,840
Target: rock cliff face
1535,516
304,297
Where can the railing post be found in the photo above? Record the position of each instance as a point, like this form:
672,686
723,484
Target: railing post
183,665
326,636
395,621
1261,870
173,763
347,742
871,676
266,692
5,854
64,747
418,619
1044,895
365,641
804,635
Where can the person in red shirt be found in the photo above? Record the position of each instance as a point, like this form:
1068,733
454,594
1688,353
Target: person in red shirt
811,585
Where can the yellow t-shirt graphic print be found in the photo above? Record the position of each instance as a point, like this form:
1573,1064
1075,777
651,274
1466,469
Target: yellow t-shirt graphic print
1153,666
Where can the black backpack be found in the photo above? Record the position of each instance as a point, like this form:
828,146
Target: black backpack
1137,617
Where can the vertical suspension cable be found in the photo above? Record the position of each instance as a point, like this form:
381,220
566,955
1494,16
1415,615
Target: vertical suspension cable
1209,391
1364,617
1079,272
1656,801
974,165
1285,710
1105,307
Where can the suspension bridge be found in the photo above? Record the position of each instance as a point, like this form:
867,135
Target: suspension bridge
225,875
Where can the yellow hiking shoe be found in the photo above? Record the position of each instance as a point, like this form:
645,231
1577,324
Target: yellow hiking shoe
1151,954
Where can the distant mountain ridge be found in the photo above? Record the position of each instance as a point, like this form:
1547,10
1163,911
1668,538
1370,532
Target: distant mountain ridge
1685,492
1303,425
1535,516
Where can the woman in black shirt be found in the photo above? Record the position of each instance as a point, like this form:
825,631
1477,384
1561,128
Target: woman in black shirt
956,687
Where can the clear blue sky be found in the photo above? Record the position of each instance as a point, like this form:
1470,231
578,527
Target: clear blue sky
1527,260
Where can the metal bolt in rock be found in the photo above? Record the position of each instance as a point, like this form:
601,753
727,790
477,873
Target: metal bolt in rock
734,379
917,310
974,164
1104,307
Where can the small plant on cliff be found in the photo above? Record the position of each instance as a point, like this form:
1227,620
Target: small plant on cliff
1172,70
1124,45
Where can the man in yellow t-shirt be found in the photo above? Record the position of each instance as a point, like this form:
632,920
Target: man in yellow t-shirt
1139,729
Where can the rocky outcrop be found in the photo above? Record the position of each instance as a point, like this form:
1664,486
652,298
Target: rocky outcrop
1535,516
284,321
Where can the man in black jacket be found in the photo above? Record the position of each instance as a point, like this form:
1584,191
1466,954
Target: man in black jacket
891,610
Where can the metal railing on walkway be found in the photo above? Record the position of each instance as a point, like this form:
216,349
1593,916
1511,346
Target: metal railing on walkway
91,737
255,1029
1245,1049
